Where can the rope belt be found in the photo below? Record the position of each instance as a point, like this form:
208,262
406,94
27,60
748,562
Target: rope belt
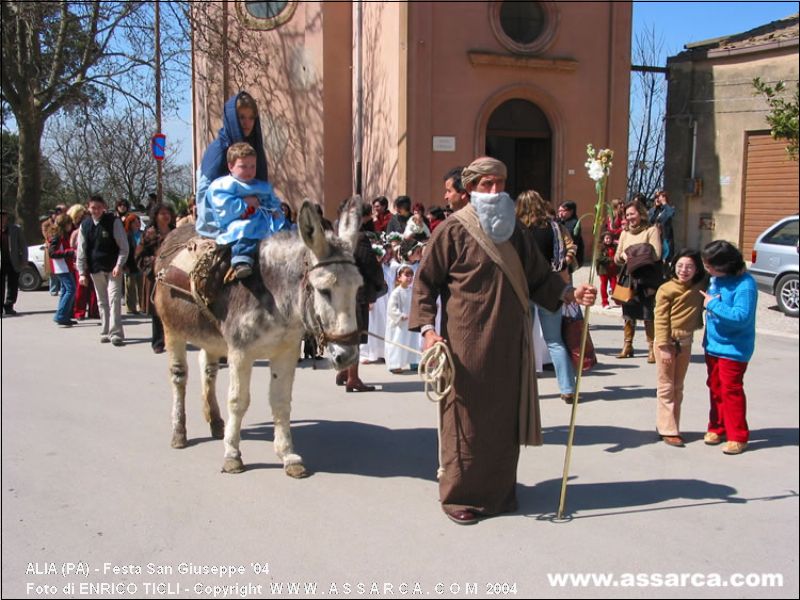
437,371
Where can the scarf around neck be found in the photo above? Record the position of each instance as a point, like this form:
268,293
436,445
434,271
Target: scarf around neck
639,228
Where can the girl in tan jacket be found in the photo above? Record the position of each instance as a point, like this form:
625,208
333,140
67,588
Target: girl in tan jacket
678,312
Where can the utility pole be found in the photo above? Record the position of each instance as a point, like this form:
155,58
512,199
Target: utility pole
157,33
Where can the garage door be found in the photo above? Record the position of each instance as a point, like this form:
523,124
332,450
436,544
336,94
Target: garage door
770,187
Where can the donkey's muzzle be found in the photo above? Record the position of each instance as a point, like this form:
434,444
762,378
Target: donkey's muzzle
343,357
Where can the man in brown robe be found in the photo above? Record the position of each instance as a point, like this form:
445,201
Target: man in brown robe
485,270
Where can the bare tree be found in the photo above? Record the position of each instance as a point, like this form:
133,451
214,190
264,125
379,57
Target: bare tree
648,113
109,154
70,55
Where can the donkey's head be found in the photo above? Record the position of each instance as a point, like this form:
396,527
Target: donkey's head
333,281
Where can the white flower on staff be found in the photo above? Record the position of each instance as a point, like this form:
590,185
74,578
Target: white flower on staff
599,166
596,170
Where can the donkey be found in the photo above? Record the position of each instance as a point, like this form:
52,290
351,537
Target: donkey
304,283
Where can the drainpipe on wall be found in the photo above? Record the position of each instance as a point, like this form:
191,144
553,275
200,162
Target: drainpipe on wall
359,133
694,148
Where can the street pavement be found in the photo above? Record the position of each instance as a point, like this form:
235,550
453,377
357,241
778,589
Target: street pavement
97,504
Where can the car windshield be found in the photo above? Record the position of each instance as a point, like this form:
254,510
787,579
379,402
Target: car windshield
783,235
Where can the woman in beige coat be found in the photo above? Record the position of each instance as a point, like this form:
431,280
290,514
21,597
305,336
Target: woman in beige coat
637,231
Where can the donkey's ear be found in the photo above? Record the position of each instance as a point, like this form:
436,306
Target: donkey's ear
311,231
350,222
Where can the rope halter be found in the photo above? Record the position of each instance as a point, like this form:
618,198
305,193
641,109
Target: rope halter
323,337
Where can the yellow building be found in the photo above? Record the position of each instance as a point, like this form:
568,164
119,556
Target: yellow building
725,174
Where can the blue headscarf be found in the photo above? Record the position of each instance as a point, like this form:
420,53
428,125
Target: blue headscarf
215,163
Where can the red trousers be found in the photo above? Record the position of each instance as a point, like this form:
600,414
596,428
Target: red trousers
727,416
85,300
605,281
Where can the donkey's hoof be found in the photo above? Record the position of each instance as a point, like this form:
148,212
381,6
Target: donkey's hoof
296,470
233,465
218,429
179,440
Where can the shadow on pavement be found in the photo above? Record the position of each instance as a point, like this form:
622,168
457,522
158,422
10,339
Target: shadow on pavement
542,499
621,438
376,451
359,448
618,438
774,437
618,392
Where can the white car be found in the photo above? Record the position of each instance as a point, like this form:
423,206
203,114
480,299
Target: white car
32,275
775,261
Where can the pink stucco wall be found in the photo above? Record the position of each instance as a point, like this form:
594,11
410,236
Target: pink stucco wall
419,82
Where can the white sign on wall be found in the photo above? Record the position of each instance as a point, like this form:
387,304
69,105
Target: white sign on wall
444,143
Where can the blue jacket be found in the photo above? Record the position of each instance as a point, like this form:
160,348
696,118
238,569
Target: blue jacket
215,163
731,317
220,214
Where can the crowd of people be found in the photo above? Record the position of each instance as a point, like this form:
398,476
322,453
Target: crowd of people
97,259
475,274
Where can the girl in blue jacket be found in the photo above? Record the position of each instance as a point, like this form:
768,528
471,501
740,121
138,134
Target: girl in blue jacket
730,336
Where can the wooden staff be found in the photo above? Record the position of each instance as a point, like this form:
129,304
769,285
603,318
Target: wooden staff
604,158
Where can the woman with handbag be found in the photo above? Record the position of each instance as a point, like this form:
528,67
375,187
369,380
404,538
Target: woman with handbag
637,231
557,247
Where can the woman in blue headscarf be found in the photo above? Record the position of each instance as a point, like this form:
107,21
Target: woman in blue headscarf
240,123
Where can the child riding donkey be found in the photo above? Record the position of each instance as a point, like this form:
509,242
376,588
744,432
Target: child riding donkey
240,210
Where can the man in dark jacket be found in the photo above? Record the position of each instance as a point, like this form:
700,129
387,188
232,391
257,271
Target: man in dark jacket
102,254
402,207
14,257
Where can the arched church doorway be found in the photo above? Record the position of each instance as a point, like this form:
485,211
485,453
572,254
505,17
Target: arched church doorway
518,133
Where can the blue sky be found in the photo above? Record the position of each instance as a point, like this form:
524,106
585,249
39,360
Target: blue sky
678,23
685,22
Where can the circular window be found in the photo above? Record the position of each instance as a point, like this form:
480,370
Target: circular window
265,10
524,27
522,21
265,15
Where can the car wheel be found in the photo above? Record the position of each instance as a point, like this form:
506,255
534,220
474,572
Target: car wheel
29,279
786,293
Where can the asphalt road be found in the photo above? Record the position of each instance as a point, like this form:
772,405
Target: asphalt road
92,493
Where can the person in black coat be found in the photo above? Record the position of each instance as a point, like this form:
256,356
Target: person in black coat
14,257
568,217
374,287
